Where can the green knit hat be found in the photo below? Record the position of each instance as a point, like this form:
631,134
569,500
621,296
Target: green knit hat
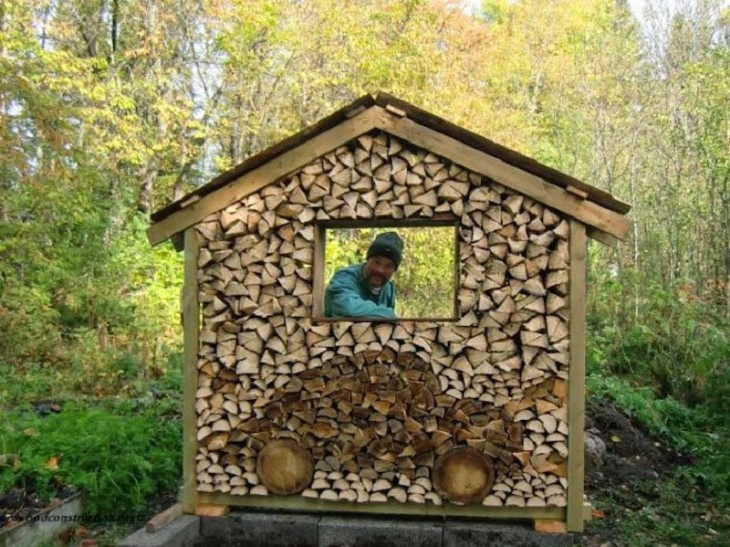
389,245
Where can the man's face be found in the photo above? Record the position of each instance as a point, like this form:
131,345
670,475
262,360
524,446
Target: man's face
378,271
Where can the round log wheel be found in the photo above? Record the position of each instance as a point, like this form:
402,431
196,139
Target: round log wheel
284,467
463,475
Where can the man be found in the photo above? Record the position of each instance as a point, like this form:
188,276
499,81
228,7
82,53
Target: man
365,290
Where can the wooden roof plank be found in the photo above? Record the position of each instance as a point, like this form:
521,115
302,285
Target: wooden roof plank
510,156
598,209
254,180
259,159
589,213
598,235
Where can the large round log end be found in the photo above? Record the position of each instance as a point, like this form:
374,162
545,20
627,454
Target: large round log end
284,467
463,475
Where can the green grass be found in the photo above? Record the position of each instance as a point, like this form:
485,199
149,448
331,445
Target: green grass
656,513
673,343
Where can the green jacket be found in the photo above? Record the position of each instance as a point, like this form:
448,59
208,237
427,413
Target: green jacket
347,296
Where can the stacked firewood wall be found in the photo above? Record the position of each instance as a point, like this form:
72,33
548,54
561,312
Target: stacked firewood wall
376,405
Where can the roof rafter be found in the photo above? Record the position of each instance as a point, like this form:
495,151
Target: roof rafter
262,176
508,175
604,224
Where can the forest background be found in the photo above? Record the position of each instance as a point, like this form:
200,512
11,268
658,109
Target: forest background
110,109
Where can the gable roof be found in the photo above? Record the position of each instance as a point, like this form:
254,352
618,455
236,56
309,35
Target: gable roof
596,208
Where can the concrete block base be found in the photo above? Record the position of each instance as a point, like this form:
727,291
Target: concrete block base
258,529
481,534
380,532
274,529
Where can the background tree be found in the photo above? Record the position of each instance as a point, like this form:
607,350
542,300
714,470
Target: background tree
110,109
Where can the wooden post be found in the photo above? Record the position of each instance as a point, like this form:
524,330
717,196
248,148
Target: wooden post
299,503
456,312
318,288
576,381
191,327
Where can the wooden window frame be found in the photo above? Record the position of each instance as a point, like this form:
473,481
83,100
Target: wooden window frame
320,241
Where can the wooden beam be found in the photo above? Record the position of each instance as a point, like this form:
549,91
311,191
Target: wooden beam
160,520
191,328
550,526
320,240
457,273
211,510
395,110
299,503
178,241
262,176
189,201
355,112
577,376
582,194
587,511
435,222
512,177
600,236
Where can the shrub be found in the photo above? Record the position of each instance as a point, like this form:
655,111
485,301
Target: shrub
675,343
702,432
118,457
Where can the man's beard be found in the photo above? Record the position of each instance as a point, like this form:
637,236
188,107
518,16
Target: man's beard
374,289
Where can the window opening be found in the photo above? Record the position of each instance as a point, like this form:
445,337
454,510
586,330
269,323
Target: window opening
426,281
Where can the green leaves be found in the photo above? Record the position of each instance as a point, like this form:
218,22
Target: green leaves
119,461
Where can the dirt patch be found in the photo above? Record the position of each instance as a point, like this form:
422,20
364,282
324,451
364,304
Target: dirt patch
633,463
631,454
